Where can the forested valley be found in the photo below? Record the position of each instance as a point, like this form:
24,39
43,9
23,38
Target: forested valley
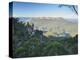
28,42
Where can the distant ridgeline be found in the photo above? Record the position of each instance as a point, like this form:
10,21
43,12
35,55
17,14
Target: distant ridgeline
58,27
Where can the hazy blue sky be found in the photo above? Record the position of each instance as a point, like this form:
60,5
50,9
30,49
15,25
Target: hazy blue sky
21,9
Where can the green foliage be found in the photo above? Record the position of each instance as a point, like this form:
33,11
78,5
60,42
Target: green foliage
25,45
